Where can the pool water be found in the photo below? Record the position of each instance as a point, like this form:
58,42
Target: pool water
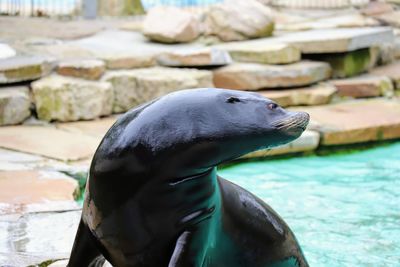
344,208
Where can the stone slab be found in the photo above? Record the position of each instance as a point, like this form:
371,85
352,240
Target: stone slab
70,99
95,128
316,95
262,53
91,69
24,68
6,51
204,57
356,121
392,18
252,76
15,103
48,141
307,142
392,71
34,191
126,60
364,86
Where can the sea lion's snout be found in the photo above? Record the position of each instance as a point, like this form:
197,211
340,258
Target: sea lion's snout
294,124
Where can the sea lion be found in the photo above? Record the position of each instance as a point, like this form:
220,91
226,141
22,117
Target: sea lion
153,196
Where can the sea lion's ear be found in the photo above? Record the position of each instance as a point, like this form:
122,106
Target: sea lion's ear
232,99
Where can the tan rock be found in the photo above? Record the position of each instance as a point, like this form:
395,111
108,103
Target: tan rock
364,86
237,20
96,128
70,99
252,76
91,69
24,68
375,8
15,105
116,61
392,18
273,53
134,87
171,25
356,121
392,71
203,57
307,142
389,52
48,142
27,191
316,95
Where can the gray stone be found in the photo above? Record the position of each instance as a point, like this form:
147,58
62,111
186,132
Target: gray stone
24,68
235,20
204,57
252,76
70,99
134,87
91,69
15,105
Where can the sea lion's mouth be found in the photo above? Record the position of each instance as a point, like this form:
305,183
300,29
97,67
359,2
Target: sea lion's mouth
293,125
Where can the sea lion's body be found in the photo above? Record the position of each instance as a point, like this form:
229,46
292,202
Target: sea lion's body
154,198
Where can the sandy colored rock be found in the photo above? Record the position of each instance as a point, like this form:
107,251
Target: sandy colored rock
375,8
115,61
392,18
15,105
96,128
392,71
24,68
171,25
316,95
134,87
235,20
389,52
204,57
70,99
307,142
252,76
273,53
356,121
364,86
48,142
27,191
91,69
6,51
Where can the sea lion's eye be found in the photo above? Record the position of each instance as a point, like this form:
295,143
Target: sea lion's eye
272,106
232,99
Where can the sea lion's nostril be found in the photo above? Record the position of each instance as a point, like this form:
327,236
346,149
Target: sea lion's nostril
232,99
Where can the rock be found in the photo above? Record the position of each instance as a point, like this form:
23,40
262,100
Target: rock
34,191
15,105
96,128
315,4
171,25
392,71
37,239
6,51
377,8
389,52
356,121
392,18
48,142
128,60
91,69
252,76
307,142
235,20
12,160
349,64
24,68
316,95
205,57
134,87
364,86
266,53
70,99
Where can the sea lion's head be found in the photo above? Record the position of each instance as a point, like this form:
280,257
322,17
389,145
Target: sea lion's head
190,131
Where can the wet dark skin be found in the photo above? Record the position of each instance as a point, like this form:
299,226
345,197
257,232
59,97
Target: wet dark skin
154,198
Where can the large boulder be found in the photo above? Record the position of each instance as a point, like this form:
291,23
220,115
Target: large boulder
70,99
171,25
134,87
235,20
14,105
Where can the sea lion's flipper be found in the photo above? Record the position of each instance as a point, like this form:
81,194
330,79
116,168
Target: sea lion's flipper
84,252
189,250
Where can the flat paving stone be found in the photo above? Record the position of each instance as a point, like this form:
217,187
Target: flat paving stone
90,69
6,51
392,71
95,128
307,142
252,76
33,191
24,68
204,57
48,141
356,121
364,86
310,96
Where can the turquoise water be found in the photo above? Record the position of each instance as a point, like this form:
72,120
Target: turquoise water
343,208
